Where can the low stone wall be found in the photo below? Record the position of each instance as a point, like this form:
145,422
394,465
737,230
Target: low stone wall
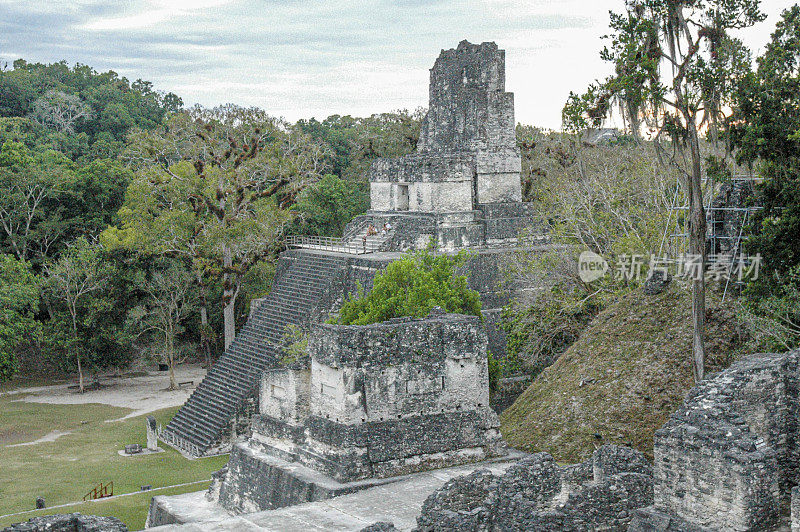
262,483
69,523
508,390
159,515
538,494
729,457
386,448
504,221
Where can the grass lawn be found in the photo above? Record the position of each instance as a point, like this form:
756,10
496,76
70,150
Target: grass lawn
63,471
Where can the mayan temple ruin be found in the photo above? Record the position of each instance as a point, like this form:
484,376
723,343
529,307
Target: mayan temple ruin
460,190
371,404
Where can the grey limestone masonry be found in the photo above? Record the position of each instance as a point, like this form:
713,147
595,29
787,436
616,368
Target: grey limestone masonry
728,459
467,152
371,402
462,186
69,523
536,494
795,510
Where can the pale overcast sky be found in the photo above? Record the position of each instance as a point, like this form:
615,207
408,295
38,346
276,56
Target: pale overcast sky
304,58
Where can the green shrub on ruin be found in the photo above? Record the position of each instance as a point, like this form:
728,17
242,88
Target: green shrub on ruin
412,286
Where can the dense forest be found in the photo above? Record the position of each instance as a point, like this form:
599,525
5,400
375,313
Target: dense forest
137,229
92,171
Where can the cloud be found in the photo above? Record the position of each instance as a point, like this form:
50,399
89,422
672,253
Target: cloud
153,12
299,58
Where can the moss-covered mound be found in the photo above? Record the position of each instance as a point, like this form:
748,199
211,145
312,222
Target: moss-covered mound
621,379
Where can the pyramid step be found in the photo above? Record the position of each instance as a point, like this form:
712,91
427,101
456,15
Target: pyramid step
200,423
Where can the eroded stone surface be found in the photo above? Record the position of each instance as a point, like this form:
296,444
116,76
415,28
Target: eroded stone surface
462,185
729,457
538,494
397,500
370,402
69,523
467,152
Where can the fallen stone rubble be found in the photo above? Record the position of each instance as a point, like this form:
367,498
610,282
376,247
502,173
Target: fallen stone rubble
538,494
69,523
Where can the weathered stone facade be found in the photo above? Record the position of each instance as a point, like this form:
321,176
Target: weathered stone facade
467,152
69,523
536,494
370,402
729,458
463,182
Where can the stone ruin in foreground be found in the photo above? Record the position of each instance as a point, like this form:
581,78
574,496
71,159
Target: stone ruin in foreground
729,459
372,401
537,494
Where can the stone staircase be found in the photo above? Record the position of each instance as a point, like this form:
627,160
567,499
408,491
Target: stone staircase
373,242
204,421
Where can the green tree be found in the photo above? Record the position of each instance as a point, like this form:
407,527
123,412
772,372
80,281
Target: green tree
169,300
30,185
675,64
217,185
764,128
412,286
60,111
19,303
78,107
356,142
77,274
326,206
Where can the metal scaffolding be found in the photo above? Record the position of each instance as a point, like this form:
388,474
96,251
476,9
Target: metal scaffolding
725,226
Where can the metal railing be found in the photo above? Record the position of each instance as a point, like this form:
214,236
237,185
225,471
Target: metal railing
101,491
354,245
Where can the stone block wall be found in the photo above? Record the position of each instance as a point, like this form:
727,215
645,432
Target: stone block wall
371,402
729,457
435,183
467,152
284,393
484,271
255,482
383,399
466,78
505,221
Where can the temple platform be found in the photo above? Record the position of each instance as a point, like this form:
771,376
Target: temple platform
398,500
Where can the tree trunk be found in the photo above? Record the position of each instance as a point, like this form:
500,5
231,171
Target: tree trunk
74,316
228,297
697,248
171,361
80,374
205,333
